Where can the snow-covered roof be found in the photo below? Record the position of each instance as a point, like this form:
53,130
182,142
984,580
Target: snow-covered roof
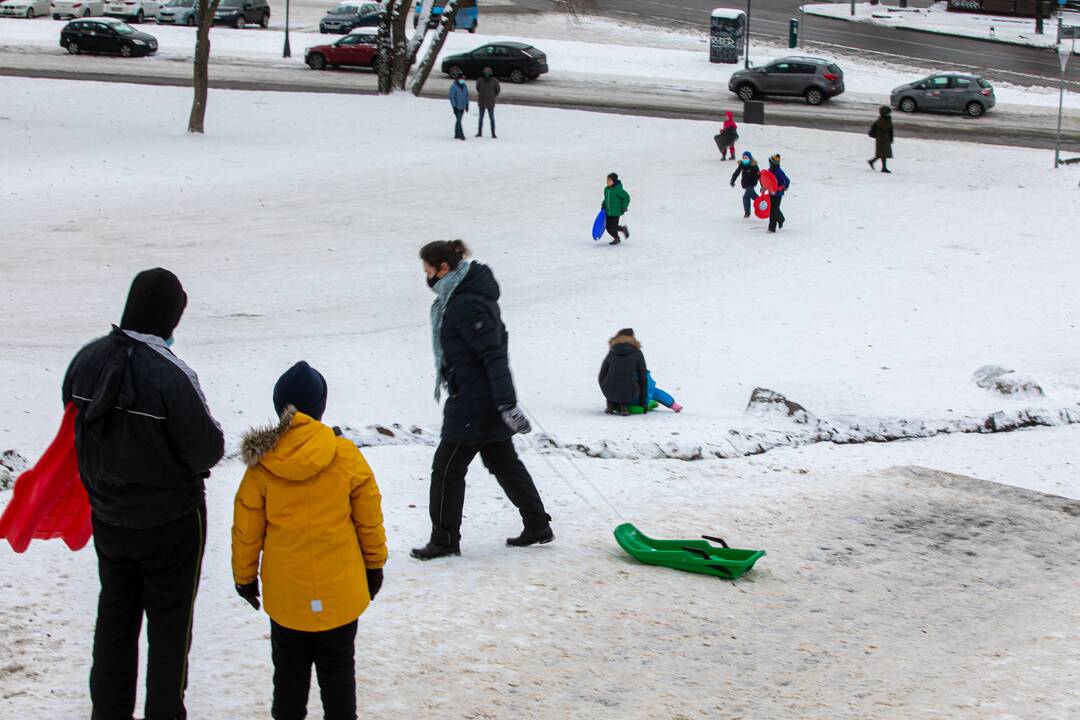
727,13
365,31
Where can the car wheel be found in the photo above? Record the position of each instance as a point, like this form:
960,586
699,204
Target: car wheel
73,48
814,96
57,17
191,20
264,23
746,92
86,13
316,61
29,13
517,75
239,23
909,105
974,109
125,51
140,16
455,72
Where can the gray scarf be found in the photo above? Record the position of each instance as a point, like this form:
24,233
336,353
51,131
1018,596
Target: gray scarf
443,290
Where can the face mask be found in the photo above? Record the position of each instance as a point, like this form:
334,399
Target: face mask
746,161
461,81
432,282
487,74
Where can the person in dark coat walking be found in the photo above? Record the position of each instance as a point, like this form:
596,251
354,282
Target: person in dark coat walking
145,441
748,169
481,415
459,102
624,377
882,132
487,89
776,216
616,203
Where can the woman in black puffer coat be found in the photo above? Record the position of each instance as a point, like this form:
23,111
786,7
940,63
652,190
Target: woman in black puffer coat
624,376
481,415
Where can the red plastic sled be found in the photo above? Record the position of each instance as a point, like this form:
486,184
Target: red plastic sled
49,500
762,206
768,181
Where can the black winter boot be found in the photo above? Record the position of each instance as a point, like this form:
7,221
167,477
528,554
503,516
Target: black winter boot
624,411
532,537
434,551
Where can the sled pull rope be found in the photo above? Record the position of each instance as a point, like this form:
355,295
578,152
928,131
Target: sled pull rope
540,425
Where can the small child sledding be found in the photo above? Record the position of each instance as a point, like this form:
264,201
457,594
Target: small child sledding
626,381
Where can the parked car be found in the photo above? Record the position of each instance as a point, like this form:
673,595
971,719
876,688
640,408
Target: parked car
466,17
28,9
76,8
357,49
516,61
946,92
106,35
346,17
815,79
133,10
241,12
179,12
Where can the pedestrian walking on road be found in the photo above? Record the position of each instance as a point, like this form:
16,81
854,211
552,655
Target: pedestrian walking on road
882,132
145,441
748,169
459,102
776,217
481,415
487,89
616,204
729,133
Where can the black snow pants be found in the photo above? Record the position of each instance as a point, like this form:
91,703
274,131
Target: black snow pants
153,571
447,498
612,225
333,654
775,215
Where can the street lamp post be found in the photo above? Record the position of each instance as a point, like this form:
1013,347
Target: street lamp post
747,66
286,51
1065,51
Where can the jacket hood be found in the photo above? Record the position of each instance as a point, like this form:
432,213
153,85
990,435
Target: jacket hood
625,340
155,303
297,448
479,281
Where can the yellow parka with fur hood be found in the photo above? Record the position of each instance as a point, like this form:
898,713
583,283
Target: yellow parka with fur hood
309,505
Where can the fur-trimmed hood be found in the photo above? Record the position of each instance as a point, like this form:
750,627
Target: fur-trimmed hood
624,340
296,448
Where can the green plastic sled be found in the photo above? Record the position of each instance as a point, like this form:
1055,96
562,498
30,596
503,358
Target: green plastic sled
639,410
698,556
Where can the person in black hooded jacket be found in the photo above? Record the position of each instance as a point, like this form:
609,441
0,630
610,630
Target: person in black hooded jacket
145,441
624,376
481,415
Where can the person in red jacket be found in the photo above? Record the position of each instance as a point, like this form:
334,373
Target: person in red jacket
729,133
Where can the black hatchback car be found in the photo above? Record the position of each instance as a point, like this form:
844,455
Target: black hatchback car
516,61
348,16
106,35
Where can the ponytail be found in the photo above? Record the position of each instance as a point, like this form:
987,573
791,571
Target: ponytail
451,252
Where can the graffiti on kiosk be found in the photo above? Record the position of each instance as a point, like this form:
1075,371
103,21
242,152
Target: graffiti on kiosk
965,5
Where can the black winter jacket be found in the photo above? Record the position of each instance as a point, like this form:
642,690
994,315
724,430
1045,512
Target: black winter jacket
623,378
751,173
476,363
144,435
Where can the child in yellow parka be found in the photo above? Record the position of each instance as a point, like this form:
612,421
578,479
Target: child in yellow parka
309,505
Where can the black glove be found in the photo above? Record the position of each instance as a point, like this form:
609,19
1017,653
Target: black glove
732,183
515,419
250,592
374,582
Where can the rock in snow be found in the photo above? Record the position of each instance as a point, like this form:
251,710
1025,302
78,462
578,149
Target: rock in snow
1005,381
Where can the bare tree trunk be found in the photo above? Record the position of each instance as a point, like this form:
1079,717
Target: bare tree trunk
400,44
420,31
196,121
449,15
385,64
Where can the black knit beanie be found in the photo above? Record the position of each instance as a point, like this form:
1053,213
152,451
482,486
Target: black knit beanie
154,304
303,387
629,332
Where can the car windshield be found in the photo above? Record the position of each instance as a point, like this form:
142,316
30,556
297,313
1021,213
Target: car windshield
345,10
180,3
123,28
232,3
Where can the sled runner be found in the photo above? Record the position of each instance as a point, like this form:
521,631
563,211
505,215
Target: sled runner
698,556
768,181
49,500
762,206
598,225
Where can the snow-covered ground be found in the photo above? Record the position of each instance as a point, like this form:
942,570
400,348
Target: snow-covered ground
937,19
592,49
294,225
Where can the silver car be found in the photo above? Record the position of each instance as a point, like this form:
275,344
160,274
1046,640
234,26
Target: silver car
945,92
815,79
179,12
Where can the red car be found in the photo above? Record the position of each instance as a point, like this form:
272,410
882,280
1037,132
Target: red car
358,49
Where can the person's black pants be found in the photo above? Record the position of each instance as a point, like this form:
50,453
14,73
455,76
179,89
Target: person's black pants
775,215
447,498
459,132
332,653
612,225
153,571
491,113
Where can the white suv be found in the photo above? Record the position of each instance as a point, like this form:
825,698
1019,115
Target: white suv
133,10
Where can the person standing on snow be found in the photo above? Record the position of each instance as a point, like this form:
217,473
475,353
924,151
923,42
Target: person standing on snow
459,102
624,377
729,133
616,203
776,217
146,442
487,89
310,509
882,132
481,415
748,169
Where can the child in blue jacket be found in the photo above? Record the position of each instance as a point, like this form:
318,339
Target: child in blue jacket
659,395
776,217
